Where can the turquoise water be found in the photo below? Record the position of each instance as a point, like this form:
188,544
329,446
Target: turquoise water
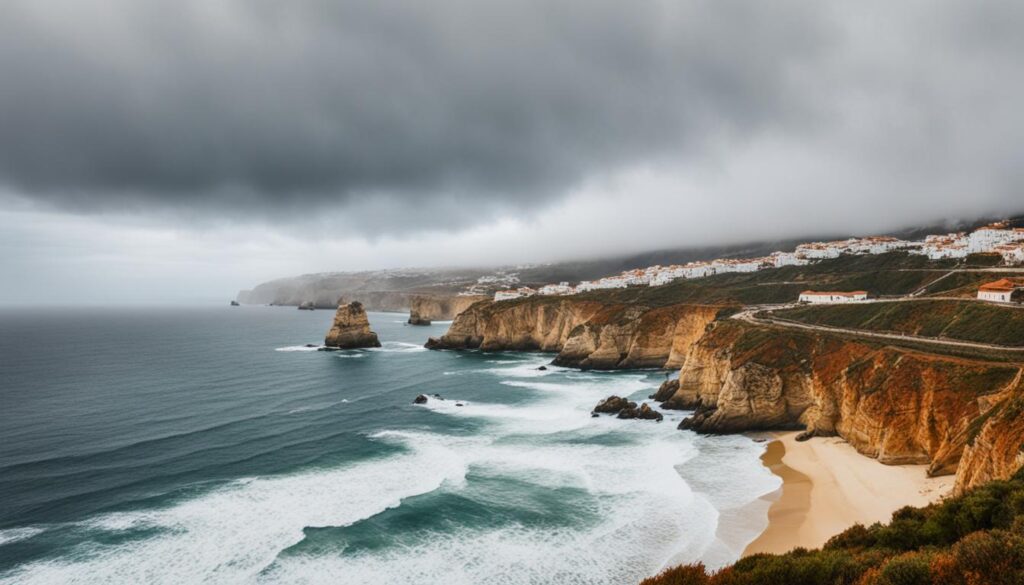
183,445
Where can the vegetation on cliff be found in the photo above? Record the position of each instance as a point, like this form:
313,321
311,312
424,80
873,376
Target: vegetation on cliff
958,320
895,273
976,538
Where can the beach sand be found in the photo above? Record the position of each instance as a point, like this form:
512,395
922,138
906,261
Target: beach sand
828,487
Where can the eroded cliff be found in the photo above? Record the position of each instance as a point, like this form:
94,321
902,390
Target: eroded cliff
585,333
898,405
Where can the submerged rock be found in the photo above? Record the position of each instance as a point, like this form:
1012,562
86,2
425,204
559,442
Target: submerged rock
307,306
235,304
543,368
421,399
351,329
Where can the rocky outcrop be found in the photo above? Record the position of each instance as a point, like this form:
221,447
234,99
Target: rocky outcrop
351,329
645,412
613,404
896,405
585,333
665,391
995,440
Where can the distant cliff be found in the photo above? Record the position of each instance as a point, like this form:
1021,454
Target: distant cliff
584,333
437,307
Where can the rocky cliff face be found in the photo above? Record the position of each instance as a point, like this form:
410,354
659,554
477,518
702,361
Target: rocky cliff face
584,333
897,405
440,307
351,329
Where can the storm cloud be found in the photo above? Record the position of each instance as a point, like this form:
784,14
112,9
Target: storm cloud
461,106
192,147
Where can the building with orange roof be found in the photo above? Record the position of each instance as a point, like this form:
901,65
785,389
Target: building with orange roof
999,291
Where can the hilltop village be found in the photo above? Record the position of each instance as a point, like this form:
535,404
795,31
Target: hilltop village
996,238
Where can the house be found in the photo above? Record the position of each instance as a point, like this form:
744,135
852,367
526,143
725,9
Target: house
819,297
561,288
507,295
779,259
1000,291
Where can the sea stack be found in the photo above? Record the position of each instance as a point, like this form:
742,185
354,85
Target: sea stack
351,329
416,319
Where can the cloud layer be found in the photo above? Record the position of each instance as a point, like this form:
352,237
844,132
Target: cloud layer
484,131
265,107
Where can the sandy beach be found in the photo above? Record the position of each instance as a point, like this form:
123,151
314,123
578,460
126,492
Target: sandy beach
828,487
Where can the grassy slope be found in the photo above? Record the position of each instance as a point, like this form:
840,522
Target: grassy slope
960,320
886,274
973,539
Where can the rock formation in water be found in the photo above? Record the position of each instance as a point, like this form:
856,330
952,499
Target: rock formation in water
351,329
585,333
613,404
416,319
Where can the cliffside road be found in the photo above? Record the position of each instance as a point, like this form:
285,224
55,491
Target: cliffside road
750,315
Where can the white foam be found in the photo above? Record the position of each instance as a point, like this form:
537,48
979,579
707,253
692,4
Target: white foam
398,347
15,534
229,535
644,511
297,348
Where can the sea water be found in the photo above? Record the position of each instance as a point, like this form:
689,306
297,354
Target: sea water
189,445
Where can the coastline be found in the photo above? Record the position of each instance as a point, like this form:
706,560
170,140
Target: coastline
827,486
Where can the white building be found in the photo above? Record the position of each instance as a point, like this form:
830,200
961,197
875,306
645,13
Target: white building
876,245
939,247
780,259
821,250
561,288
507,295
1000,291
818,297
1012,254
987,238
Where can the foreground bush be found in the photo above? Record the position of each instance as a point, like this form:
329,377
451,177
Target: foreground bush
973,539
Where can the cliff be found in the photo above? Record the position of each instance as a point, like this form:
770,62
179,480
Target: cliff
958,411
440,307
351,329
897,405
585,333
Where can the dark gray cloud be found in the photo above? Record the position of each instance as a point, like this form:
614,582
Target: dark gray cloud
454,110
259,104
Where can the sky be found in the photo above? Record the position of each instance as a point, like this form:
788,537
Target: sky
178,152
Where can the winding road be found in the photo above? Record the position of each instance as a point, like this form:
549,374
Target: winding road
762,315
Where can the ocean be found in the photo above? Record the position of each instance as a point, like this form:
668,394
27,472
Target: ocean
208,445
